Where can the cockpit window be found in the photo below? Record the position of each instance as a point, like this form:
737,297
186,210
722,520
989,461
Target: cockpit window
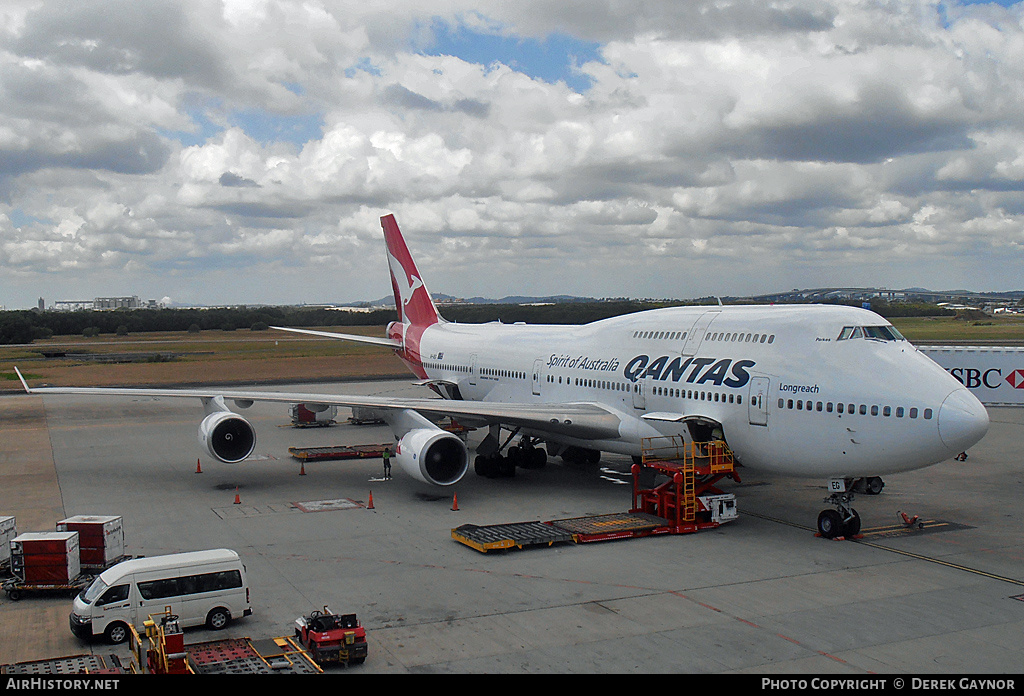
877,333
882,333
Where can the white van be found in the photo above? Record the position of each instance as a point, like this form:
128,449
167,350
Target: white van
200,587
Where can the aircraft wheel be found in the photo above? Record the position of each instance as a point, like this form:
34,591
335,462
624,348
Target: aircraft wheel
830,524
852,526
539,457
874,485
506,467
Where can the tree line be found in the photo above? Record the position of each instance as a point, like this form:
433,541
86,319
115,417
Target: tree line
24,326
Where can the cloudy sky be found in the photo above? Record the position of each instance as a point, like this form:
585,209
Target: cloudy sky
219,151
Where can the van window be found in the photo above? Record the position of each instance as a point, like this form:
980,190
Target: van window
117,593
190,584
93,591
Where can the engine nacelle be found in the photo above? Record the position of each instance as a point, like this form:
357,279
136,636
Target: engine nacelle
432,455
227,436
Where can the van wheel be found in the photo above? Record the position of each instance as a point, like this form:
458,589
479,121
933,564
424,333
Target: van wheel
217,619
116,633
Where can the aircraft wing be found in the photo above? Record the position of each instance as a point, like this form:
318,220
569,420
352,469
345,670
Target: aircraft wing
581,420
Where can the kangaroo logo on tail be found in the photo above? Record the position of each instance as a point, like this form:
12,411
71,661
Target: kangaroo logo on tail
412,299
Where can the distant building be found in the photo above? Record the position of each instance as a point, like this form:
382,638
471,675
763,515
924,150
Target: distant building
101,303
72,305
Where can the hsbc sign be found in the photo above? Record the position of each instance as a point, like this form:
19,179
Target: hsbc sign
993,374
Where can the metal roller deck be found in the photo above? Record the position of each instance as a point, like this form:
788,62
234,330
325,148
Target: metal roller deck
578,530
506,536
338,452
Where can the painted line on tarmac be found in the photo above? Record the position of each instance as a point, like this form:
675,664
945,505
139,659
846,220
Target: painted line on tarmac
909,554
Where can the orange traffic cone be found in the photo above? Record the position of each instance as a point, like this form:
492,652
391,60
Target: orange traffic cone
455,502
199,469
370,506
238,501
302,469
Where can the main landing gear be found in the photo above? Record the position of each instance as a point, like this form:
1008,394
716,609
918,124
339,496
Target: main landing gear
843,521
526,454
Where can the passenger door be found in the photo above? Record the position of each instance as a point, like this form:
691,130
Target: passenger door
640,394
757,401
696,334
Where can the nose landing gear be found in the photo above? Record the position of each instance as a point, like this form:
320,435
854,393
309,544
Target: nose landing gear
843,521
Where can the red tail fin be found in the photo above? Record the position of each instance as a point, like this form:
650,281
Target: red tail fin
412,299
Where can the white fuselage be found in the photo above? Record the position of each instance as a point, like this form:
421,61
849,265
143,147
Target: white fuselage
788,394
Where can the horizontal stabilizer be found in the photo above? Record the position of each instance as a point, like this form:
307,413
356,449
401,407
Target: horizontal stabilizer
371,340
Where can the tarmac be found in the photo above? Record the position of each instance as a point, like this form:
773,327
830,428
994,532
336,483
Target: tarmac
760,595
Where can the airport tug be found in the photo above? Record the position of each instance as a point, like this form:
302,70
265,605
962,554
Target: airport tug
332,637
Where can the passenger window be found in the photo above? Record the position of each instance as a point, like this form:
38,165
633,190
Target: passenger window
887,411
863,410
899,411
818,407
158,589
782,403
828,407
851,409
927,414
913,413
874,410
771,339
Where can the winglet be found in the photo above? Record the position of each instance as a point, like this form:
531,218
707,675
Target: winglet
23,382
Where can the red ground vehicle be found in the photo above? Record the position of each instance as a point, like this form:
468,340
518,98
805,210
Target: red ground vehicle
332,637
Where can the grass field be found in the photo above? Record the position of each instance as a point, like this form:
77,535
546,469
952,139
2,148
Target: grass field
264,357
209,357
995,331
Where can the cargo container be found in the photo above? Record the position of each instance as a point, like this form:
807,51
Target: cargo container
45,557
100,539
8,530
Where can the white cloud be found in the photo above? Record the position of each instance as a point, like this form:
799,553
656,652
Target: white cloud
732,148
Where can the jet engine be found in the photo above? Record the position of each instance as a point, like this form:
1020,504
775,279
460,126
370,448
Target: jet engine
227,436
432,455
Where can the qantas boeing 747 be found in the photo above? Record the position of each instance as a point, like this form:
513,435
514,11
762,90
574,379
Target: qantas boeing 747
827,392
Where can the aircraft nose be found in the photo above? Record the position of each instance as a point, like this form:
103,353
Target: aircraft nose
963,420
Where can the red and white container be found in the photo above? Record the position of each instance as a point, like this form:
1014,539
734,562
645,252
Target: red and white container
100,538
45,558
